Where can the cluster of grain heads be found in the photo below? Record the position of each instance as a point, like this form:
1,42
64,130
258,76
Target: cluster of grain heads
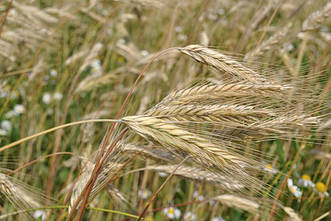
212,123
27,26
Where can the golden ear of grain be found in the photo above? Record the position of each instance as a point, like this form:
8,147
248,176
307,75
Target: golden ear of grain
225,181
202,151
293,216
223,63
239,202
315,20
268,44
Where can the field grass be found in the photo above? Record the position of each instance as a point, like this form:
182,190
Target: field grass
165,110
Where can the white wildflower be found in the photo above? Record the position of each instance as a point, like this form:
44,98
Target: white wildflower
305,181
172,212
19,109
182,37
6,125
178,29
144,194
47,98
163,174
122,41
220,12
212,16
288,47
3,132
189,216
10,114
270,169
197,196
219,218
96,67
144,53
39,214
294,189
57,96
53,72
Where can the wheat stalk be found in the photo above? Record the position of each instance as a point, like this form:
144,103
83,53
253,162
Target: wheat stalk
226,182
315,20
222,62
239,202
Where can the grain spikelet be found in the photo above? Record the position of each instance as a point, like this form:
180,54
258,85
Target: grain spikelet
154,153
239,202
194,173
33,12
268,44
145,3
222,63
315,20
293,216
218,91
92,55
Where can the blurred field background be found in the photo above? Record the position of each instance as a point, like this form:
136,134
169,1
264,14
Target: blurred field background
67,61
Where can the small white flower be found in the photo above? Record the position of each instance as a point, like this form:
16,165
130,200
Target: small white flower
163,174
39,214
57,96
144,194
50,111
110,32
182,37
197,196
10,114
212,16
122,41
6,125
288,47
19,109
144,53
172,212
219,218
96,67
2,8
189,216
212,202
220,12
47,98
305,181
294,189
53,72
3,132
178,29
270,169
